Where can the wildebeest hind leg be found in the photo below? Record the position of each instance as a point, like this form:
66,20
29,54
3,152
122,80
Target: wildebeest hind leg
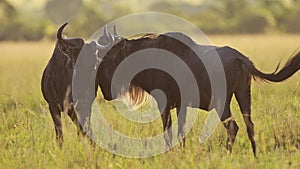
243,97
250,131
56,116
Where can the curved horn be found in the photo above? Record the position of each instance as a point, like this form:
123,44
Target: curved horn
115,31
108,35
106,38
59,32
111,38
105,33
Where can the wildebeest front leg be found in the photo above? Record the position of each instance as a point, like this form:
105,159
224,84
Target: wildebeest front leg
231,127
83,126
73,116
56,116
181,117
167,123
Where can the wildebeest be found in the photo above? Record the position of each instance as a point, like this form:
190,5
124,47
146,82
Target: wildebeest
57,79
61,73
239,70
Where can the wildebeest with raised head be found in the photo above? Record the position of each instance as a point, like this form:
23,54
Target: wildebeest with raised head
57,79
239,70
62,76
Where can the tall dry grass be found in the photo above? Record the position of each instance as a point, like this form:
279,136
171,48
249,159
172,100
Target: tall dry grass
27,137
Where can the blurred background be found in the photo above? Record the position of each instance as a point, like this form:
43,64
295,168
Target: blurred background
34,20
266,31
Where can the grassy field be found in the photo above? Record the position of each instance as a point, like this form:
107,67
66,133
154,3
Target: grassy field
27,137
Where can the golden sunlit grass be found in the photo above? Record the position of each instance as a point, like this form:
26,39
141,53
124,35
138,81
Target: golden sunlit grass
27,132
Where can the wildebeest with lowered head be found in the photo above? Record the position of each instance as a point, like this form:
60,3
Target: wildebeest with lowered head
239,71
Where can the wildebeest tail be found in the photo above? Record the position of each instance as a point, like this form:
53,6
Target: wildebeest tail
291,67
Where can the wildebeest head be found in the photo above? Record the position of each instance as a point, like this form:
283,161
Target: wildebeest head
70,47
87,63
113,44
108,38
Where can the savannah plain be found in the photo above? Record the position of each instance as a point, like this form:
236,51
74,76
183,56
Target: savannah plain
27,137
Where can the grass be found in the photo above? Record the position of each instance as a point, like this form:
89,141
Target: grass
27,132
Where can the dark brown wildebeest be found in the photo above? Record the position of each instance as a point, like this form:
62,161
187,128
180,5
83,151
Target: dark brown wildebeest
57,79
61,73
238,69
